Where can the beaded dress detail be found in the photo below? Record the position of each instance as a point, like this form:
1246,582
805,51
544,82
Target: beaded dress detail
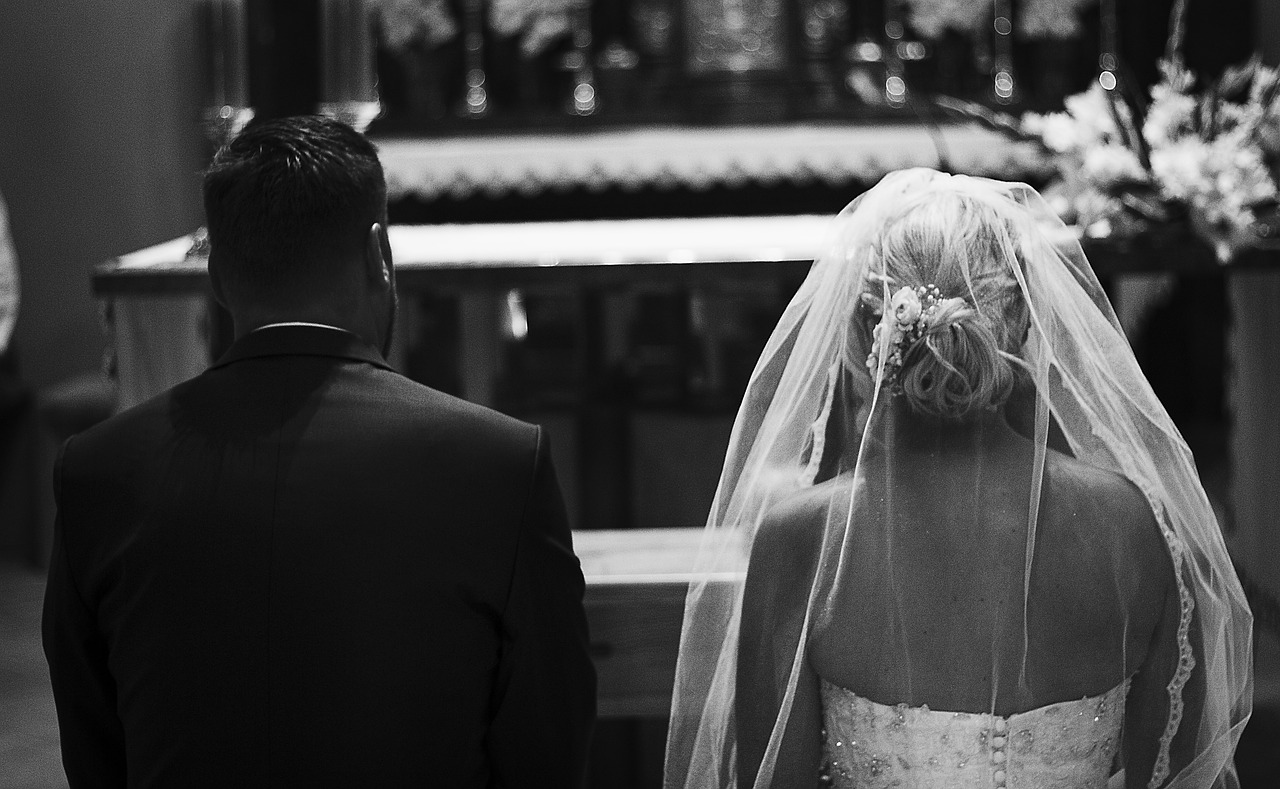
1069,745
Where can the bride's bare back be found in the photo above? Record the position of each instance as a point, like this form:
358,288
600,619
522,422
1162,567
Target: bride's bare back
928,602
926,609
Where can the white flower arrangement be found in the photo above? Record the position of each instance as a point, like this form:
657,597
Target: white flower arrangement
1085,122
1213,155
1216,153
1090,142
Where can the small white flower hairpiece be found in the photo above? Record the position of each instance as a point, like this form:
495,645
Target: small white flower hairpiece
908,317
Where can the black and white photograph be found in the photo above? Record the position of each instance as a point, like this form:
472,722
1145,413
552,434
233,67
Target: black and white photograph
640,394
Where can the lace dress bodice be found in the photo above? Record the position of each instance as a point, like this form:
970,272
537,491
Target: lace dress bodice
1071,744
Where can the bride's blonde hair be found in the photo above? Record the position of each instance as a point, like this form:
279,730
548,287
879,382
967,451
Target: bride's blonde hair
966,361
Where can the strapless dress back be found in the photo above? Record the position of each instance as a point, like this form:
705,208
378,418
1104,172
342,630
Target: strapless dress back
1069,745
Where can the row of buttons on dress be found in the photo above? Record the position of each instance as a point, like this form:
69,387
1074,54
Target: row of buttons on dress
999,740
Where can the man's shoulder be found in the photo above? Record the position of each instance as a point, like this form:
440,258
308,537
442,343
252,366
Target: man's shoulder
415,403
387,402
134,425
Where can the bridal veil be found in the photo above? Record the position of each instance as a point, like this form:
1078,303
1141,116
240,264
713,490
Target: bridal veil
815,433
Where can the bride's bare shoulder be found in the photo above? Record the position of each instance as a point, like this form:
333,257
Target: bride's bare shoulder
1098,503
792,529
1079,483
811,503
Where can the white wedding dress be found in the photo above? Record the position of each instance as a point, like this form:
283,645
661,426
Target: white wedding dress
1069,745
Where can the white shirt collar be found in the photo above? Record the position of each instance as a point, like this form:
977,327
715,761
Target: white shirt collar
299,323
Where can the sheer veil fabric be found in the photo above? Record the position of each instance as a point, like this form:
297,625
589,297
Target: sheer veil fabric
949,485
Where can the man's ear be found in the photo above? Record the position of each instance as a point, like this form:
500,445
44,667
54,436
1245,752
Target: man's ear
377,254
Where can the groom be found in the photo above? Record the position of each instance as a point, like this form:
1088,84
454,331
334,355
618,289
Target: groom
300,568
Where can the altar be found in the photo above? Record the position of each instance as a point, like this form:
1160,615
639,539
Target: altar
636,585
637,577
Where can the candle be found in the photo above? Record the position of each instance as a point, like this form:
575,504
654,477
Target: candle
223,30
346,52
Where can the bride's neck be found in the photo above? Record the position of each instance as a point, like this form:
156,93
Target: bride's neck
906,429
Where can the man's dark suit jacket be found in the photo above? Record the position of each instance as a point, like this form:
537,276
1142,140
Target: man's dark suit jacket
302,569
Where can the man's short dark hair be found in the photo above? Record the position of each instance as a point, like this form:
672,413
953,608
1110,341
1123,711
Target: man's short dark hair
287,200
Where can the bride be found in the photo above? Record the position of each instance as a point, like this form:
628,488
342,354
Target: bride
976,549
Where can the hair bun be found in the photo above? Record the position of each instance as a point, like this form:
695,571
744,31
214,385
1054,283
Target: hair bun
951,245
956,369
